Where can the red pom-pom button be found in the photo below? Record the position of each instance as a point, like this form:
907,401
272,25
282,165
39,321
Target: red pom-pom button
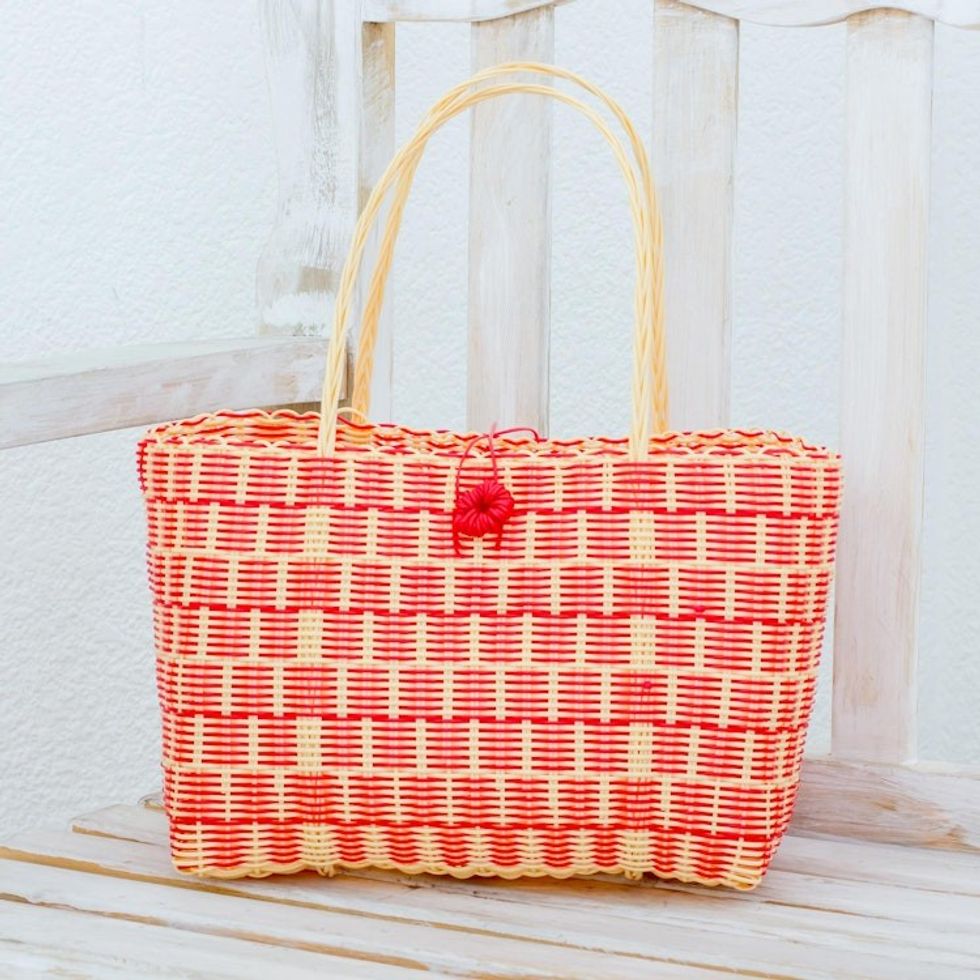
483,510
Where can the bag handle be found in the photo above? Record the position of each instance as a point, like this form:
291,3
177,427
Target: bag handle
364,362
649,374
404,165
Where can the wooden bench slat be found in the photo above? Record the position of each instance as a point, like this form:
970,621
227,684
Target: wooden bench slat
98,390
313,62
377,147
472,11
37,940
925,869
932,806
819,912
777,13
374,935
510,234
694,125
889,115
808,13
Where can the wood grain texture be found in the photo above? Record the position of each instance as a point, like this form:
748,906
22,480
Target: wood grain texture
813,915
38,940
785,13
317,917
377,146
889,108
510,234
472,11
927,868
928,806
804,13
98,390
694,125
313,63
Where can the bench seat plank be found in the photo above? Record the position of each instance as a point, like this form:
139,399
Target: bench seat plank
827,908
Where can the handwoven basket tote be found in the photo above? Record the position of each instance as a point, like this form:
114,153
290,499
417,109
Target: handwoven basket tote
485,654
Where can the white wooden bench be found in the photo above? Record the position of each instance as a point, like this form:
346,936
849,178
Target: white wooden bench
881,874
102,899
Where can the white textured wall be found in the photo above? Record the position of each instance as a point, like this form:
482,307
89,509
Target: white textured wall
137,182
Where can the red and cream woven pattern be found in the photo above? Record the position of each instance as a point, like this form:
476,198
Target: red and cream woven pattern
622,685
617,679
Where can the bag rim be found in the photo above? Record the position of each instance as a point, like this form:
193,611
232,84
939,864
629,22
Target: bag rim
297,436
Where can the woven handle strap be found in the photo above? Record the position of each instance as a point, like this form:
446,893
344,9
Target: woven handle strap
364,362
649,384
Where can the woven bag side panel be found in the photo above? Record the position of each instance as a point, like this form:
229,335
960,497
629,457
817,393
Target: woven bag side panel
621,683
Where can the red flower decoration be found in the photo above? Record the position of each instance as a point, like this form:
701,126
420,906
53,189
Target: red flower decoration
481,511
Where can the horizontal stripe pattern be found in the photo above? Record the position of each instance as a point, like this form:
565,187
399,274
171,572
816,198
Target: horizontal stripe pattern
622,682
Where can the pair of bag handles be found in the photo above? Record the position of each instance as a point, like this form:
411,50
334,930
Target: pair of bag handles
649,358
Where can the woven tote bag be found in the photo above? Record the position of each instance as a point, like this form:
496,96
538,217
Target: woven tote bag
485,653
